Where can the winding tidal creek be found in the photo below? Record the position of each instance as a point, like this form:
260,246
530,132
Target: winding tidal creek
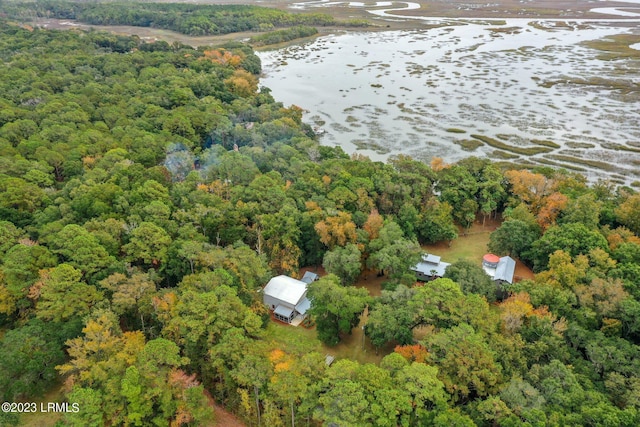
516,90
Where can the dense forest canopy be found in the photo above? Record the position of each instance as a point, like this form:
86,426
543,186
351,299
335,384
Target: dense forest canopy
149,191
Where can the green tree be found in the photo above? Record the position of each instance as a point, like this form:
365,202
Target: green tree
138,407
81,250
436,222
344,262
21,267
472,279
391,318
28,356
148,245
336,309
253,371
466,364
9,236
200,319
585,210
514,238
392,253
63,295
343,400
425,390
281,233
574,238
90,401
627,213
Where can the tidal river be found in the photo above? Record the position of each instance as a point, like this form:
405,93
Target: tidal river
519,90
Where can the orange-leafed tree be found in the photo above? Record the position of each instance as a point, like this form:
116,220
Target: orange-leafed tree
515,310
413,353
374,223
337,230
550,209
539,193
603,296
530,187
437,164
242,83
222,57
627,213
621,235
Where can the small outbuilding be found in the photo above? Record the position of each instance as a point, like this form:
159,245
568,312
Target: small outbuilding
500,269
431,267
287,298
309,277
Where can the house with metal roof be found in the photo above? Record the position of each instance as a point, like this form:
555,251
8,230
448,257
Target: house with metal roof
501,270
431,267
287,298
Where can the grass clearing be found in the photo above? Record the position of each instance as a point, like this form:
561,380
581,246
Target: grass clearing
44,419
472,246
292,339
299,341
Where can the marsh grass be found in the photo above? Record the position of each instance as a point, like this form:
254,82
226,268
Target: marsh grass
616,47
498,154
586,162
527,151
561,165
508,30
619,147
522,164
624,85
370,145
468,144
579,145
545,142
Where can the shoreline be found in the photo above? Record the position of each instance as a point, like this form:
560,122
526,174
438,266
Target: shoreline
391,16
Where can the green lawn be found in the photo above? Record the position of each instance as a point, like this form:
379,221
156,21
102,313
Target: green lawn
299,340
472,246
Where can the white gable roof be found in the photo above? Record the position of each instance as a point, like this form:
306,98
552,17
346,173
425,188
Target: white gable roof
286,289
